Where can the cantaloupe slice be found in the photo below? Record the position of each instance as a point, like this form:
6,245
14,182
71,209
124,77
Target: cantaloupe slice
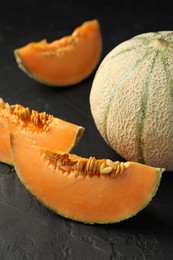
86,190
46,130
66,61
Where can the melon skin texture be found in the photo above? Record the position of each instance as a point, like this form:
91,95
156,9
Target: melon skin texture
46,130
63,62
131,99
84,189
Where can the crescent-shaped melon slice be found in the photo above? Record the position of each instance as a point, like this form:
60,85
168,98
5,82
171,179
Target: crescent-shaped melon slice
66,61
85,190
45,129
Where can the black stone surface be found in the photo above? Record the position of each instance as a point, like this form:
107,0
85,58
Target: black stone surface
28,230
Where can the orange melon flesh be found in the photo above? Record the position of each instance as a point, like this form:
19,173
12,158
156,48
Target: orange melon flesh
50,132
88,198
66,61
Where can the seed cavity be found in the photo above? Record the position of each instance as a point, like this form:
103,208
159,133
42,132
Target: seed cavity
23,115
90,166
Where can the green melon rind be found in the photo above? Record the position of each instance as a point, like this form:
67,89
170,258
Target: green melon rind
141,117
153,193
6,162
115,89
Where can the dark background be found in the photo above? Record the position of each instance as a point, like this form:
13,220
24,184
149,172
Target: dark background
28,230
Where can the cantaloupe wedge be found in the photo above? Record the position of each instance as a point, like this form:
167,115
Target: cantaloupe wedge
85,190
46,130
65,61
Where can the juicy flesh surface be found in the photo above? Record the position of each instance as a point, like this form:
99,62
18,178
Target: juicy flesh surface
67,60
5,154
61,136
86,198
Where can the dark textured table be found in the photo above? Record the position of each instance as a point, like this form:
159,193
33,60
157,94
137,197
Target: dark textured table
28,230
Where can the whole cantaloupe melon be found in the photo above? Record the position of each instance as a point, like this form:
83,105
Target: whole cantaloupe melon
131,99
